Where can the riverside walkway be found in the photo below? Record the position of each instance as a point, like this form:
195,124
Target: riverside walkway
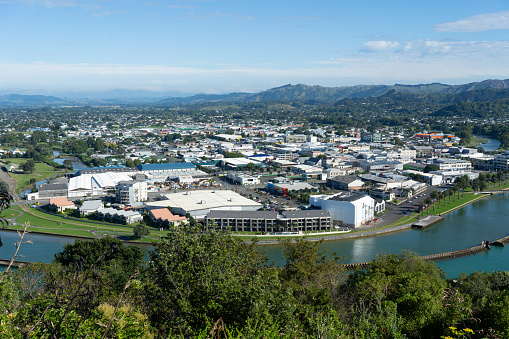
485,246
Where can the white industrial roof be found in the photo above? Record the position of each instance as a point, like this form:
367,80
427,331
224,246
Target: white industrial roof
101,180
204,199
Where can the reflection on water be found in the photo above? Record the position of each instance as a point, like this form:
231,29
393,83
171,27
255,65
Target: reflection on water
483,220
491,145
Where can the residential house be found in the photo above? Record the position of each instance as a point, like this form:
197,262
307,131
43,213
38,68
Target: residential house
61,204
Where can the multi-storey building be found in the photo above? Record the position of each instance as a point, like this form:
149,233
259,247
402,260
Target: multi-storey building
270,221
130,192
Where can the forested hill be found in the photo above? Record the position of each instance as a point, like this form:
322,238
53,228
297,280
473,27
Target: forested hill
477,91
319,94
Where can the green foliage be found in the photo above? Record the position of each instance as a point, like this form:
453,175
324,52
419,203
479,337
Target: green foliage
141,230
4,186
415,286
233,155
195,277
28,166
431,168
202,284
117,260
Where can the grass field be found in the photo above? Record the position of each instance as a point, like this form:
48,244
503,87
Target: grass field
42,171
475,141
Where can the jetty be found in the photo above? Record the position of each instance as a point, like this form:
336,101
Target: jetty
485,246
428,221
15,263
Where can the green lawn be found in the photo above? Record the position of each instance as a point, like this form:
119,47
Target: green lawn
475,141
10,213
60,231
42,171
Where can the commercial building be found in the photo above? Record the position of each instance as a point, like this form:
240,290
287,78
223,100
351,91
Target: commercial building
90,207
199,203
244,179
130,192
295,138
345,183
166,172
449,176
452,164
94,184
371,136
350,209
118,216
234,163
283,189
270,221
501,161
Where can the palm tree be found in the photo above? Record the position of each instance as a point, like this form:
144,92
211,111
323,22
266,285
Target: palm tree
449,193
428,202
434,196
441,196
475,185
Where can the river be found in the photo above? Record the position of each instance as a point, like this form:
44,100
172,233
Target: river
485,219
491,145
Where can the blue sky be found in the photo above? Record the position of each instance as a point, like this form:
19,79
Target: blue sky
221,46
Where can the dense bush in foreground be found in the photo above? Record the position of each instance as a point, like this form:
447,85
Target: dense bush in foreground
209,284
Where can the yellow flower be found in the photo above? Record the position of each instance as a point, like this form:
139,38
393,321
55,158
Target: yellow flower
468,330
452,328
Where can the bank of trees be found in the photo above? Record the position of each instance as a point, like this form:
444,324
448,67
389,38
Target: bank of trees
201,284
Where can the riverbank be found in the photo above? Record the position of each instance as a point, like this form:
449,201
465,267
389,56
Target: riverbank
402,224
56,225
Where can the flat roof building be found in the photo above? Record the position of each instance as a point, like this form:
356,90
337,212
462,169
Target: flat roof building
199,203
347,208
270,221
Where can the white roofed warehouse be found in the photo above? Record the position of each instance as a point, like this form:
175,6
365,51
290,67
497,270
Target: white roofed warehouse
94,184
199,203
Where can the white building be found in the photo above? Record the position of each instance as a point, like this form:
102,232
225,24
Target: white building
243,178
350,209
501,161
130,192
231,147
452,164
94,184
90,206
448,177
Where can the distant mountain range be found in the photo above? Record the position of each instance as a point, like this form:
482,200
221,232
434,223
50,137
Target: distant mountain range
300,92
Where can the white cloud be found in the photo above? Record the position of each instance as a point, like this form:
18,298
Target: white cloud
380,45
106,13
477,23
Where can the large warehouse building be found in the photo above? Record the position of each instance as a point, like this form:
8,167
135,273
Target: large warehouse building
199,203
94,184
